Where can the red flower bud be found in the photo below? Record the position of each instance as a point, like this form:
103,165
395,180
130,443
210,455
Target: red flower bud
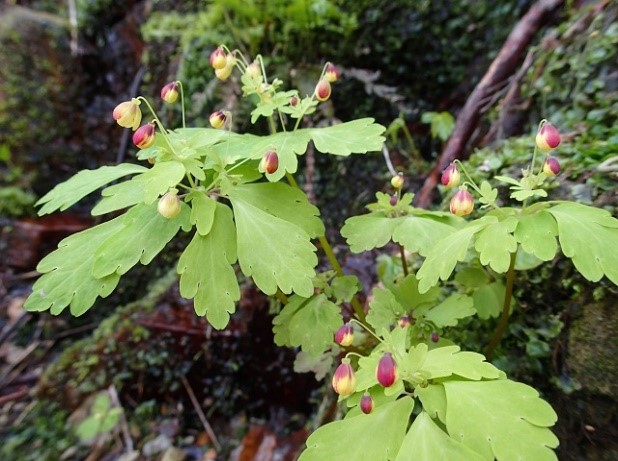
218,58
169,205
393,200
547,138
397,181
404,321
344,379
450,176
144,137
387,372
128,114
331,74
551,167
293,101
435,336
169,93
269,162
366,403
462,203
322,90
217,119
344,335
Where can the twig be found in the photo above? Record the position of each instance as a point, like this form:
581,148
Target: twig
200,414
9,329
126,434
18,394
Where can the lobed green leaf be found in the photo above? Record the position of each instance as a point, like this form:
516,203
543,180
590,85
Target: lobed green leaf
202,212
366,232
495,244
446,361
355,137
537,234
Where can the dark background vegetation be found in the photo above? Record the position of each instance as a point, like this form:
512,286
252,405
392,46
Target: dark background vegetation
59,82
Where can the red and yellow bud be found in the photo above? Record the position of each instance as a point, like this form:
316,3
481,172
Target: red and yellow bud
435,336
169,205
450,176
169,93
331,74
269,163
397,181
387,372
144,137
254,69
344,379
128,114
462,203
224,72
366,403
217,119
218,58
344,336
551,167
293,101
404,321
548,137
322,90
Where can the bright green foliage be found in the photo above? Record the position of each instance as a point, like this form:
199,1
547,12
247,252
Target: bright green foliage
488,194
537,234
495,244
488,300
321,365
419,232
83,183
67,273
344,288
206,271
425,441
277,101
355,438
442,124
103,418
373,230
308,323
433,398
355,137
500,419
202,212
449,311
589,236
146,187
443,362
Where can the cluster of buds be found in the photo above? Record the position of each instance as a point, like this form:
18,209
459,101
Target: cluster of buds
462,202
344,379
222,62
269,163
547,139
344,336
323,88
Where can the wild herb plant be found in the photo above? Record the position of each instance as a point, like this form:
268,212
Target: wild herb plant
237,196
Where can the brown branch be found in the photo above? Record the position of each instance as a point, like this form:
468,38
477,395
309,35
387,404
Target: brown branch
500,69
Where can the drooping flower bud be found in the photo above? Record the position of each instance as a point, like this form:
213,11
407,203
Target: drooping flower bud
269,162
344,336
450,176
435,336
322,90
224,72
169,205
218,58
217,119
128,114
462,203
253,69
397,181
393,200
344,379
366,403
547,138
169,93
387,372
144,137
331,74
404,321
293,101
551,167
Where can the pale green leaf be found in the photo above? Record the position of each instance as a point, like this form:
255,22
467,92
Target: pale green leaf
537,234
589,236
433,398
206,273
83,183
446,361
197,138
313,325
281,322
321,365
67,273
145,188
488,194
345,287
384,309
501,419
202,212
275,252
366,232
406,291
508,180
449,311
418,233
524,194
488,300
495,243
472,277
447,252
143,235
355,137
283,201
425,441
351,438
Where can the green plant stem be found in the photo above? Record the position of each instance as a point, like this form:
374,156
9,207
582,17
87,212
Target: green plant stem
404,263
182,102
272,125
531,169
280,295
159,124
506,308
470,181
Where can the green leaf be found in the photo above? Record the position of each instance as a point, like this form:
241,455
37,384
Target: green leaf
283,201
488,300
442,124
350,439
384,309
501,419
202,212
143,235
589,236
83,183
488,194
537,234
508,180
446,361
521,195
449,311
313,325
67,273
275,252
355,137
281,322
495,243
145,188
425,441
419,233
447,252
366,232
321,365
345,287
407,293
101,420
472,277
433,398
206,273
